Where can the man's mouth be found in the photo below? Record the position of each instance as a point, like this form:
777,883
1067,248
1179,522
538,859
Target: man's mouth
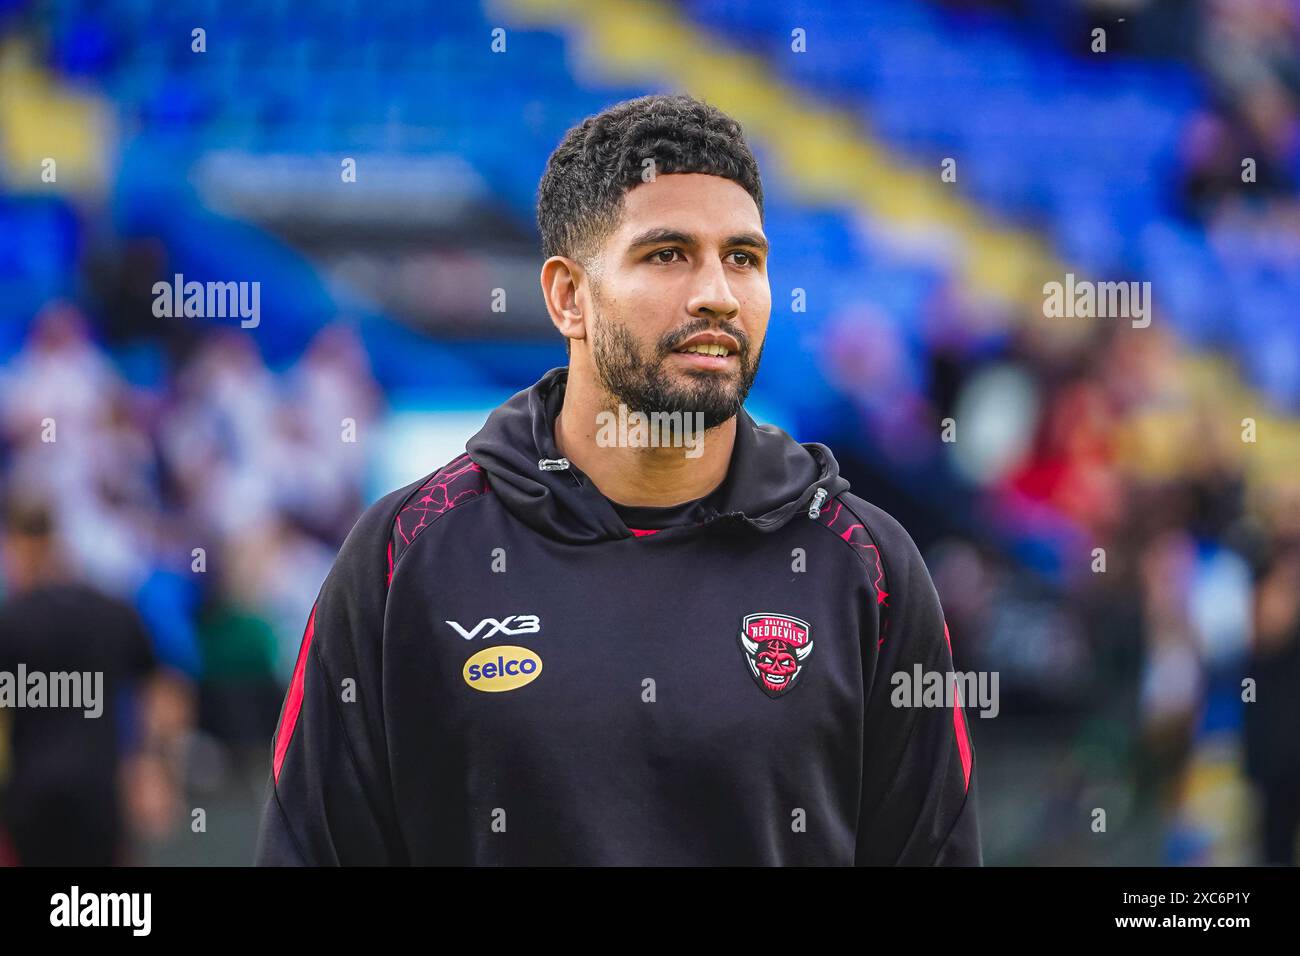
707,355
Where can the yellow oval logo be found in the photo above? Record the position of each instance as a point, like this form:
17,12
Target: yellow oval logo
502,668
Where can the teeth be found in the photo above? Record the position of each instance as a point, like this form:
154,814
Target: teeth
707,349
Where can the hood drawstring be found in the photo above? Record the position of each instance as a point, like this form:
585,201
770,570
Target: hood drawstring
815,509
552,464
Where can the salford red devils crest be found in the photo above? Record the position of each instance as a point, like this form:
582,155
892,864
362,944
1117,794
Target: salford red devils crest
777,646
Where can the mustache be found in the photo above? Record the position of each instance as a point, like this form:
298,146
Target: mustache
672,342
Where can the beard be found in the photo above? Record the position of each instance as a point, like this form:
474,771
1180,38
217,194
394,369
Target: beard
644,383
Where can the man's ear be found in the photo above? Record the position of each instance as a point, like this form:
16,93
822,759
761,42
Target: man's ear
561,279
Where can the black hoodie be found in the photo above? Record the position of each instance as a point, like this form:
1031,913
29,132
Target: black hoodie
498,670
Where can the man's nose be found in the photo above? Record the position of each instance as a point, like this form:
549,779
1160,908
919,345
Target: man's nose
713,295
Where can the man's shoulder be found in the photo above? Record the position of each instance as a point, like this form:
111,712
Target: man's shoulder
882,546
459,481
391,524
848,510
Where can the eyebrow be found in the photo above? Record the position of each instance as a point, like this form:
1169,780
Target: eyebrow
659,234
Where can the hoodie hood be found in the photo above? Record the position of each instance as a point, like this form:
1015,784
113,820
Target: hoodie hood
771,477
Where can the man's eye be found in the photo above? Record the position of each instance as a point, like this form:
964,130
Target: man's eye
749,259
656,255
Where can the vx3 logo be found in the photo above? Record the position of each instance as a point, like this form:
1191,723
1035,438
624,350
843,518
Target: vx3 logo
524,624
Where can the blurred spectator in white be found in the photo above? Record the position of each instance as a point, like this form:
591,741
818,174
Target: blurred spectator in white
331,404
58,375
96,463
220,441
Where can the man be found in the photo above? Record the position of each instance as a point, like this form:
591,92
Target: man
574,645
63,802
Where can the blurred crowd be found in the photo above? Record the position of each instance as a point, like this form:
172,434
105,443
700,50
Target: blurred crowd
211,503
1095,539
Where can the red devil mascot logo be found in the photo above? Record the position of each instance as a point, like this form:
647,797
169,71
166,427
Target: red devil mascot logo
777,648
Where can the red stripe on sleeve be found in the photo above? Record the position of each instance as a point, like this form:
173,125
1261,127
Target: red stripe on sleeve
959,722
293,704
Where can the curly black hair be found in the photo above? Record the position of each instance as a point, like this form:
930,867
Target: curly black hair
580,197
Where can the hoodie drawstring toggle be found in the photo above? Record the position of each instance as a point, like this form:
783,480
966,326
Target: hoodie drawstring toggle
815,509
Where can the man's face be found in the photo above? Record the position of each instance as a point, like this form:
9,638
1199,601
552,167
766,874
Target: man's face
688,259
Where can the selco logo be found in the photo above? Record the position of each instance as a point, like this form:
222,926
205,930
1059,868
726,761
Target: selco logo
504,667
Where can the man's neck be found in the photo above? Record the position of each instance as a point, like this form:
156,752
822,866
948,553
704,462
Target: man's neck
639,476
